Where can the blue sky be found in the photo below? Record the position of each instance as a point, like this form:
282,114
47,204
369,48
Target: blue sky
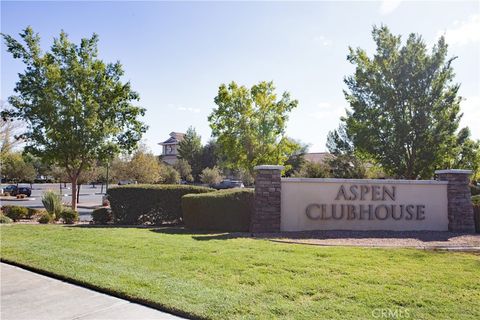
176,54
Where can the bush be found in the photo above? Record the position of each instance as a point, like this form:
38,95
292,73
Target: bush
152,204
169,175
228,210
476,200
21,196
211,176
33,212
69,216
474,190
44,217
15,212
102,215
52,203
6,194
5,219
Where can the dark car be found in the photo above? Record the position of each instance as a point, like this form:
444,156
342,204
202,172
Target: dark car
14,190
228,184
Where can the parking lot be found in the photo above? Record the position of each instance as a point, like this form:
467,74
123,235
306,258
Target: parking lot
89,197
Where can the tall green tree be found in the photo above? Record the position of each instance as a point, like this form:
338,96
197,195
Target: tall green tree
77,108
14,167
190,149
467,153
249,124
210,155
404,104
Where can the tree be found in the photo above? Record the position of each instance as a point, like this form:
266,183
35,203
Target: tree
347,166
313,170
190,149
183,168
77,109
15,168
296,161
210,155
8,130
249,125
169,175
144,167
404,105
211,176
345,162
467,153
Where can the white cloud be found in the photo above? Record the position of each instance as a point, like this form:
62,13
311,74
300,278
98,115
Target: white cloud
328,111
179,107
194,110
388,6
463,32
324,41
471,114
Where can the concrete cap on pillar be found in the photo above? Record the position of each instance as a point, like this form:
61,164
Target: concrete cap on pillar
450,171
269,167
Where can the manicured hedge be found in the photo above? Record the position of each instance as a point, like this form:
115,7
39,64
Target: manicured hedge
149,203
228,210
476,212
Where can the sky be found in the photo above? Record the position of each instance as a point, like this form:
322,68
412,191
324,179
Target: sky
176,54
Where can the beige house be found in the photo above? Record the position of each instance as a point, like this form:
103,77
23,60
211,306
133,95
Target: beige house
170,147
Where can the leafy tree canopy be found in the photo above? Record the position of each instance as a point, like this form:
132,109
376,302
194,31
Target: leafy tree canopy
404,105
190,149
76,107
249,125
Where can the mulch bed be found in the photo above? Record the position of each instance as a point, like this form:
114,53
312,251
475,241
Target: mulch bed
396,239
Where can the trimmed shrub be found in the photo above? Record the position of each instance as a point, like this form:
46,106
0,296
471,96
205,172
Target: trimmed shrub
15,212
44,217
5,219
226,210
150,204
69,216
102,215
21,196
52,202
33,212
474,190
476,212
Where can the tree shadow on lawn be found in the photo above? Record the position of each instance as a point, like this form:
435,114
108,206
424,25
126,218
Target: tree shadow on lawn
202,235
205,235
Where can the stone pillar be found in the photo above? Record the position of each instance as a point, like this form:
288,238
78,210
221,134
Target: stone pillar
266,213
460,209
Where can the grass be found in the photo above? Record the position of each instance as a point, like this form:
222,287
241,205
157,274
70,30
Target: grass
221,277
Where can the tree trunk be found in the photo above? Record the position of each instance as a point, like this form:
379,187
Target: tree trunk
78,193
74,192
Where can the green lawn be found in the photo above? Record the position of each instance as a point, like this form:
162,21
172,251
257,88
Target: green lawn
214,276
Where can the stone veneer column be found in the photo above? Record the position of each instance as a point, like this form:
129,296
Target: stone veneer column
460,209
266,212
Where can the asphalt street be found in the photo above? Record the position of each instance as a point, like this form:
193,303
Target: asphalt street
89,196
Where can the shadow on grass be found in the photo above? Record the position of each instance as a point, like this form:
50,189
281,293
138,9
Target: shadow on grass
202,235
178,229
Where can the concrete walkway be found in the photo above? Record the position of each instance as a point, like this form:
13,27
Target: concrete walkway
28,295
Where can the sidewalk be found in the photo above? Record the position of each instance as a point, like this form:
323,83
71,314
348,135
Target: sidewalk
28,295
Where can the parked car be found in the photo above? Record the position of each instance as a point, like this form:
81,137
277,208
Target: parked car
124,182
228,184
14,190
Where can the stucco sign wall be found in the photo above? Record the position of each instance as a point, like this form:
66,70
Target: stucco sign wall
351,204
